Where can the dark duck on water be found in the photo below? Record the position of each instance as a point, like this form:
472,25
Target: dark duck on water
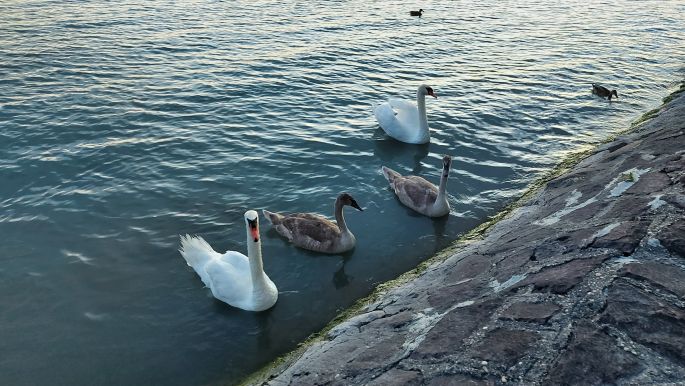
416,13
603,91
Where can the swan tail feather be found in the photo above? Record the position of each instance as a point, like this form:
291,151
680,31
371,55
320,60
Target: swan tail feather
390,174
274,218
197,253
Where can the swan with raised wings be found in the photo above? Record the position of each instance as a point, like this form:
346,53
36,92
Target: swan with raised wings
404,120
419,194
315,232
234,278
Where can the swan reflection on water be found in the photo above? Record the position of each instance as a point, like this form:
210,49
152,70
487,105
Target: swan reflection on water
441,238
340,277
388,149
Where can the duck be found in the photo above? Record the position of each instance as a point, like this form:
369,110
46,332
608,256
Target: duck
315,232
419,194
603,91
416,13
233,278
403,120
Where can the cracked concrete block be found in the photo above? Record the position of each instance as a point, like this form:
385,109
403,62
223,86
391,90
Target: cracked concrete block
398,377
560,279
449,333
459,380
673,238
504,347
649,183
530,312
647,319
668,277
592,358
624,238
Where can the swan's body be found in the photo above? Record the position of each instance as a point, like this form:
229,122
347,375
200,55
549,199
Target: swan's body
404,120
234,278
419,194
315,232
603,91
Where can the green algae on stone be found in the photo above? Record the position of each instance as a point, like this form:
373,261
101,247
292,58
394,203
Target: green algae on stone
645,117
675,93
628,177
654,112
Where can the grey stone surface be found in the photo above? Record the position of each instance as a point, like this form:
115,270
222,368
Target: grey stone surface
530,312
560,279
646,319
666,277
581,284
592,357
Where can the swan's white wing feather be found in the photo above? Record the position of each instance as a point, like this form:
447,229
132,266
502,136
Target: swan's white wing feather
237,261
407,113
230,282
385,116
398,118
401,104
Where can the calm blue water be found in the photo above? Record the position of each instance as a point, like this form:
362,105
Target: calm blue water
124,124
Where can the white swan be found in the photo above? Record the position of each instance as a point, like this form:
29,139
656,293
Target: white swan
315,232
233,278
419,194
403,120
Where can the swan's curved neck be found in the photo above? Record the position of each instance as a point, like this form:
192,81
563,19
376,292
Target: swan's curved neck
339,217
423,119
442,189
254,257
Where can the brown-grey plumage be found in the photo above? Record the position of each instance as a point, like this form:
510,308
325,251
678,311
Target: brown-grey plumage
315,232
603,91
419,194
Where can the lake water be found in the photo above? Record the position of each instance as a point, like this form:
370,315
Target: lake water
124,124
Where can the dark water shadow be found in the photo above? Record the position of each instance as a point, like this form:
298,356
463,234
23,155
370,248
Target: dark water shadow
441,238
340,277
261,322
390,150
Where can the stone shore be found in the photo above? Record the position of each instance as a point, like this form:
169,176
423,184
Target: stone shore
582,284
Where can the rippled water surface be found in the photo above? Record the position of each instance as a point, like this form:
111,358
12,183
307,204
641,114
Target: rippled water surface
124,124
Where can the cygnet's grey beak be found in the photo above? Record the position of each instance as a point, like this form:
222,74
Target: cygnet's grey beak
355,205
